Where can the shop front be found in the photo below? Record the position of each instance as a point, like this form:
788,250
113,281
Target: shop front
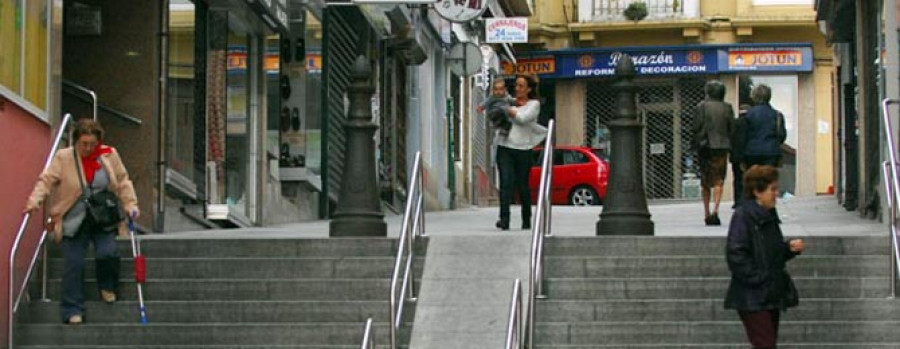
671,81
222,57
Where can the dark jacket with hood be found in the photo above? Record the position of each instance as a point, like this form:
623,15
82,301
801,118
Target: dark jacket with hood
757,255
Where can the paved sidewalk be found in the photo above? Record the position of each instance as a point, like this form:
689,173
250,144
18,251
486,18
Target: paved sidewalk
814,216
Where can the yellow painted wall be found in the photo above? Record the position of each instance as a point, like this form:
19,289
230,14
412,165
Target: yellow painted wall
824,140
570,111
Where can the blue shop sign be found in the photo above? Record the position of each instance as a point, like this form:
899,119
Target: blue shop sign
680,60
647,62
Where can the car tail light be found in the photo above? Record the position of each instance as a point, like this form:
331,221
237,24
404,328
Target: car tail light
601,169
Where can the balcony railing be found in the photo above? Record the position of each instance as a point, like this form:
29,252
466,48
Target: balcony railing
612,10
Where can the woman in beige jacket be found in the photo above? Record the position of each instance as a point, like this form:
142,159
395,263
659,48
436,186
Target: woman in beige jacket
100,168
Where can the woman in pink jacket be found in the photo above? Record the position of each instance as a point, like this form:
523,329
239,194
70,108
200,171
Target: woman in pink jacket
97,167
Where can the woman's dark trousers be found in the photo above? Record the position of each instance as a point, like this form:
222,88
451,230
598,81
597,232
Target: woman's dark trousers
515,168
737,183
74,251
761,327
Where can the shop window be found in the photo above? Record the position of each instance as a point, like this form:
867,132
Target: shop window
181,88
36,19
25,22
11,15
237,125
785,98
276,88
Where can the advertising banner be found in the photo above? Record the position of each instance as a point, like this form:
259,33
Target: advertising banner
668,60
766,59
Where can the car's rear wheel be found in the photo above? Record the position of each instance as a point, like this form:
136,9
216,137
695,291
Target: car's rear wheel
584,196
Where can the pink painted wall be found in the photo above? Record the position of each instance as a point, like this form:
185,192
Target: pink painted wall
24,143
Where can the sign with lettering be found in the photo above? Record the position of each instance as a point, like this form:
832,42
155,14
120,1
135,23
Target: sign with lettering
506,30
766,59
668,60
647,62
533,66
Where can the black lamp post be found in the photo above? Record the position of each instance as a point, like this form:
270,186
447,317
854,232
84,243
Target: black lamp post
625,208
358,211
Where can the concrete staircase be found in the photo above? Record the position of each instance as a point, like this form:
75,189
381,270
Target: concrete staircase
224,293
661,292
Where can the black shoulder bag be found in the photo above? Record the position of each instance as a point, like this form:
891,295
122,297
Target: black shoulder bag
102,206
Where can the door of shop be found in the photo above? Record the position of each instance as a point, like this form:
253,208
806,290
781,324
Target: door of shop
667,109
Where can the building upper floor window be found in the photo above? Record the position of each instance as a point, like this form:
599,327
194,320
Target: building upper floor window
782,2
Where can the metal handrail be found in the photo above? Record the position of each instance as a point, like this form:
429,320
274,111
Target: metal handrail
368,341
87,91
97,106
893,189
413,226
15,298
895,254
514,329
540,230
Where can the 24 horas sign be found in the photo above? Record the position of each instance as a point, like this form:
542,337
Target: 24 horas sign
506,30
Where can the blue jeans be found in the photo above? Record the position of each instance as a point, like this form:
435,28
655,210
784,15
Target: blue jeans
74,251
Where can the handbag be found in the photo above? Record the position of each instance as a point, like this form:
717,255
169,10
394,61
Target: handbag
791,297
102,206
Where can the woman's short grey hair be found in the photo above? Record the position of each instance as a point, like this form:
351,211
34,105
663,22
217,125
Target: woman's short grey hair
762,93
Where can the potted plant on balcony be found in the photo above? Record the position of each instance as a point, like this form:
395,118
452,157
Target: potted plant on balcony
636,11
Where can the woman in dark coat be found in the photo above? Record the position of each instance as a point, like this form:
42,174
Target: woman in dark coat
757,253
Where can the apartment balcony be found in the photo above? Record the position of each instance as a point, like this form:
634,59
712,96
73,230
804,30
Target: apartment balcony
657,10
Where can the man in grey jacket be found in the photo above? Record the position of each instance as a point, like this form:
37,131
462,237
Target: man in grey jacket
713,127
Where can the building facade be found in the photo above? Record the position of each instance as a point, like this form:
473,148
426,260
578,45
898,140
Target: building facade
678,47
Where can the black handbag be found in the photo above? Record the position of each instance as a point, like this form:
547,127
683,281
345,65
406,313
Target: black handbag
103,206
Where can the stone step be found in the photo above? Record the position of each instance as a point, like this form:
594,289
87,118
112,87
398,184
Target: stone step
702,288
174,247
726,346
220,311
243,289
708,266
212,346
723,332
123,335
252,268
810,309
606,246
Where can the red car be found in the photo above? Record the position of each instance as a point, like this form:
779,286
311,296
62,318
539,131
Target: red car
580,175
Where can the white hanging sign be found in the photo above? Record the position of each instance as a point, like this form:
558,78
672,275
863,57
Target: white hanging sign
506,30
460,11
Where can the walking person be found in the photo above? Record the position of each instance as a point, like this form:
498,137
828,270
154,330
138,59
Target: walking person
765,130
737,155
90,166
760,287
514,158
713,127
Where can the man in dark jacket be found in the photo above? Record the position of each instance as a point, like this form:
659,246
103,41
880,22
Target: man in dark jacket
713,127
765,130
760,287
